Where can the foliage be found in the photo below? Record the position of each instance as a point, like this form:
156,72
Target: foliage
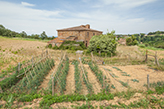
49,99
70,45
33,79
99,76
57,74
78,84
62,78
142,45
87,83
43,35
9,33
104,44
131,40
135,80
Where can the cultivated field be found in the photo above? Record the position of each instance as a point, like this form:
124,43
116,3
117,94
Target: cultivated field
124,72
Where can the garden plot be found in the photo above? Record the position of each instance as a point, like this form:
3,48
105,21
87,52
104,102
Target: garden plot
70,87
93,80
137,75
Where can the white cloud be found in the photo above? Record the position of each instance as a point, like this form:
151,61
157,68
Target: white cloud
27,4
18,18
127,3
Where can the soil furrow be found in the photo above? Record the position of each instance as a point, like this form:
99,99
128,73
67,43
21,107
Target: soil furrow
93,80
70,82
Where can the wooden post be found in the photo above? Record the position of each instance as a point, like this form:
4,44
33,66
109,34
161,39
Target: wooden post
19,67
148,85
92,56
146,56
156,60
111,57
52,86
32,61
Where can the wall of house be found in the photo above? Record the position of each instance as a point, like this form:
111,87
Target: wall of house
82,35
65,34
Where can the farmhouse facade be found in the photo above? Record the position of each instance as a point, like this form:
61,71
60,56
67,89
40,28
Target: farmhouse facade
78,33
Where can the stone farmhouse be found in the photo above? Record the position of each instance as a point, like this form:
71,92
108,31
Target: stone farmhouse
79,33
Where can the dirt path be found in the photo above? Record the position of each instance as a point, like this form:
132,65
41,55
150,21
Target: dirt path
93,80
47,79
70,82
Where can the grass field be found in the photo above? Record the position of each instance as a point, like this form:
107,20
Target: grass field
119,83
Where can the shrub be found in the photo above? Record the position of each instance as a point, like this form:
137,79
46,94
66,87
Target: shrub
103,44
131,40
141,45
50,46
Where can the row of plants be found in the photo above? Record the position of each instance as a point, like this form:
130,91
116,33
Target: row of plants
57,74
62,78
123,73
13,79
49,99
34,78
78,82
99,76
147,102
87,83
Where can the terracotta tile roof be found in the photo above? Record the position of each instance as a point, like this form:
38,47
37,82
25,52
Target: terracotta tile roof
57,40
78,28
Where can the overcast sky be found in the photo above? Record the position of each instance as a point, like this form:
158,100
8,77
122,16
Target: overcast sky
123,16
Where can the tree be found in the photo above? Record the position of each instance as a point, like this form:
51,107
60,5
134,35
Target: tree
103,43
43,35
23,34
131,40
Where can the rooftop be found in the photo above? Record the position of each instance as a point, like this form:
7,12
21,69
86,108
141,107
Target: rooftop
79,28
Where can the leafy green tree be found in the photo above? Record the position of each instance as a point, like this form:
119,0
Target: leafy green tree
103,43
23,34
131,40
43,35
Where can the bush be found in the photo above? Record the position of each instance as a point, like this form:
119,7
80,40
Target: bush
103,44
55,47
131,41
141,45
50,46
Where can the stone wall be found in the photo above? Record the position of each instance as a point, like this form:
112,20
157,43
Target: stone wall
81,35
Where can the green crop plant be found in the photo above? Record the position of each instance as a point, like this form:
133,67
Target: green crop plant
124,84
87,83
99,75
135,80
34,78
57,74
96,71
78,84
117,68
62,78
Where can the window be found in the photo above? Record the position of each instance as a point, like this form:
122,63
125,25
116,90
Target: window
87,34
93,34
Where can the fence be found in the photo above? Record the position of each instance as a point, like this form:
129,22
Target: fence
30,64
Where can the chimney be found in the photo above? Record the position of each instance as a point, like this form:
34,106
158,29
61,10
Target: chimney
87,26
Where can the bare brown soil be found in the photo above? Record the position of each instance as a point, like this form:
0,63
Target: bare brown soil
93,80
138,72
70,82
